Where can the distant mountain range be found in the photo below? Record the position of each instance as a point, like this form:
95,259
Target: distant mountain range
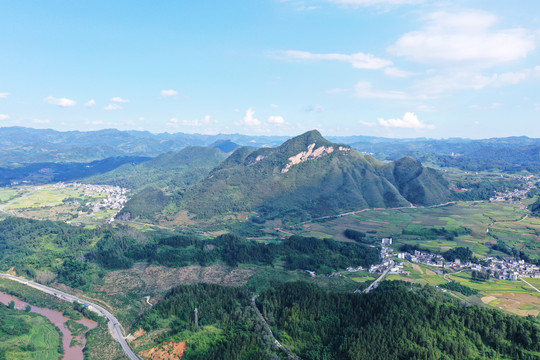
306,177
40,156
19,145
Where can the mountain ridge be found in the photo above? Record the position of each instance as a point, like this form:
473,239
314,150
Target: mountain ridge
309,176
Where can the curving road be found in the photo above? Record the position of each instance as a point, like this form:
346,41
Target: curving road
115,328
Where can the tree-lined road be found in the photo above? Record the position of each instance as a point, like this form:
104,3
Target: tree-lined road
114,325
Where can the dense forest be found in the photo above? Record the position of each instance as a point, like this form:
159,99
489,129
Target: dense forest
298,252
47,250
482,188
227,325
535,208
43,249
396,321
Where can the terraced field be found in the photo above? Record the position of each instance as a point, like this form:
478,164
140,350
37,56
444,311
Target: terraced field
40,342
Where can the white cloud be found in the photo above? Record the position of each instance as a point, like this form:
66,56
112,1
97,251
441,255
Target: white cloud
112,107
169,92
395,72
199,122
307,8
409,121
276,120
336,91
315,108
119,100
426,108
90,103
376,2
249,119
364,90
4,117
358,60
172,122
40,121
4,95
274,106
485,107
62,102
368,124
463,37
95,122
472,81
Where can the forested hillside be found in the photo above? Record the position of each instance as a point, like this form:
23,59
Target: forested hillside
169,170
309,176
397,321
227,324
75,256
154,181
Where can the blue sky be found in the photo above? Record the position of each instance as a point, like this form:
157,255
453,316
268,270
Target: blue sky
393,68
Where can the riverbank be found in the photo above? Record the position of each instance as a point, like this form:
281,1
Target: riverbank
73,344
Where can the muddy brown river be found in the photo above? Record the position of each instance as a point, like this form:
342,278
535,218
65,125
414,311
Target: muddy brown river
56,317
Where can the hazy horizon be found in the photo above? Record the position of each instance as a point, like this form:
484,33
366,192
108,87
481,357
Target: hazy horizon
274,135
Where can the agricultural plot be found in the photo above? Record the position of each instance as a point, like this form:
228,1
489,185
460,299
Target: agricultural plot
30,336
512,296
8,194
506,222
49,202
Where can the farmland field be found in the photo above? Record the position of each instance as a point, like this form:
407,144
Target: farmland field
512,296
49,202
506,222
30,336
7,194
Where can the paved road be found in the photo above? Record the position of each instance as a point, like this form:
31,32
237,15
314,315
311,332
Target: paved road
114,325
528,283
3,206
374,284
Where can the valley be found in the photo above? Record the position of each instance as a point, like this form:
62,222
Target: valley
200,225
270,180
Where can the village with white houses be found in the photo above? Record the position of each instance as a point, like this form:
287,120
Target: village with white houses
516,195
505,268
116,196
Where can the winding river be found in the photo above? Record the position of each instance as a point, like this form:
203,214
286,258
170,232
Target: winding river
70,352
